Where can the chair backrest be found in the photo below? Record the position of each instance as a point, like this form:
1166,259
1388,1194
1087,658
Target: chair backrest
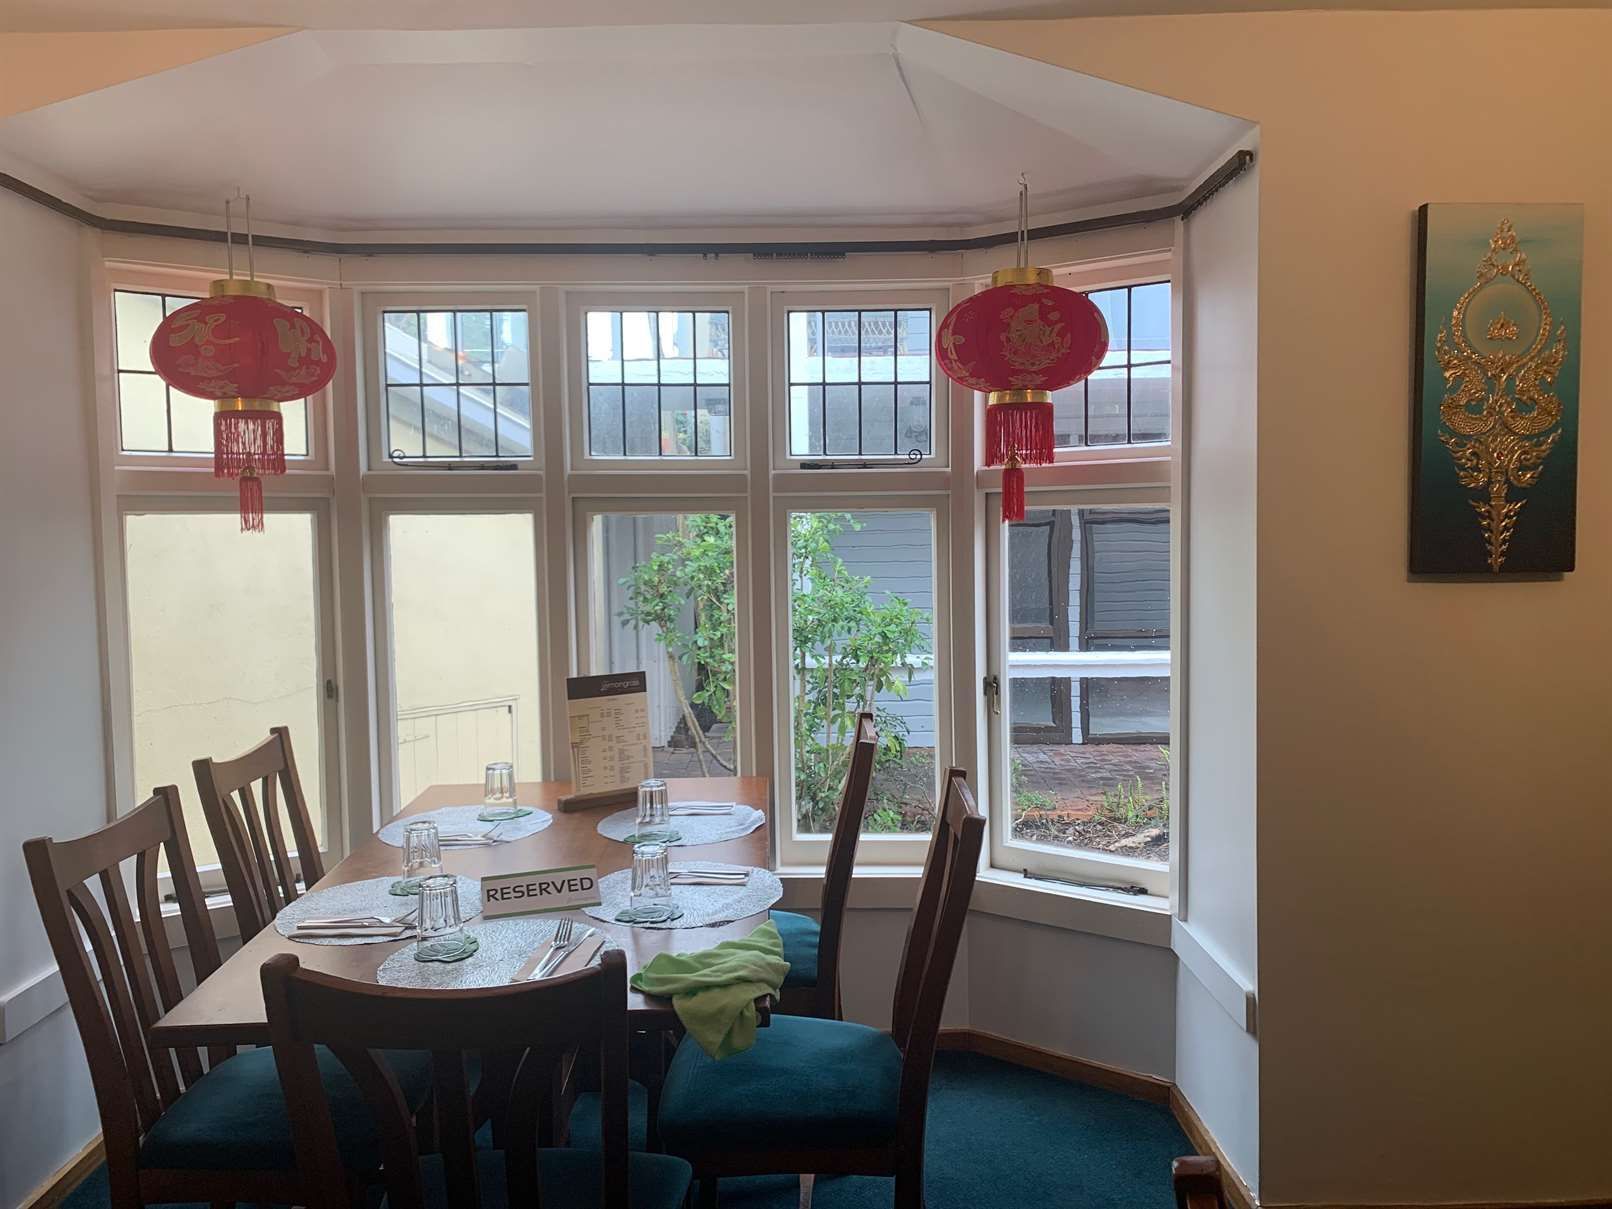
542,1023
842,860
126,982
1197,1182
932,940
246,828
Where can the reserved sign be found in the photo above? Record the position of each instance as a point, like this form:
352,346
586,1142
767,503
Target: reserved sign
540,892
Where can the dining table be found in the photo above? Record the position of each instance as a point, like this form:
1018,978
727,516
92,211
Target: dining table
227,1007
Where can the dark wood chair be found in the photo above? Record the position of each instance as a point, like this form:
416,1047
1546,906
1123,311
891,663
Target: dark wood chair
543,1023
1197,1183
816,1096
812,946
259,868
178,1125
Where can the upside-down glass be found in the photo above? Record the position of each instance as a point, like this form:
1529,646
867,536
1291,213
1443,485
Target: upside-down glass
439,910
498,791
651,877
654,809
422,850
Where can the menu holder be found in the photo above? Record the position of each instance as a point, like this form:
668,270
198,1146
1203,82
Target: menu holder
608,718
572,802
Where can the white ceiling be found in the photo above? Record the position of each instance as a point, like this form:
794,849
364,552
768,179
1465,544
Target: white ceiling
513,14
624,127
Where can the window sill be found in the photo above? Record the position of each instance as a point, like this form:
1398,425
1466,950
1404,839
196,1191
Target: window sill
1139,920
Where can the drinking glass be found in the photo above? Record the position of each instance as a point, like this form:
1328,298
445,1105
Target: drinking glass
498,792
654,809
422,851
651,877
439,911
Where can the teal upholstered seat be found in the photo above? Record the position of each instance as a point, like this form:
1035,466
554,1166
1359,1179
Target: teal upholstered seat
567,1179
800,933
805,1084
585,1127
234,1116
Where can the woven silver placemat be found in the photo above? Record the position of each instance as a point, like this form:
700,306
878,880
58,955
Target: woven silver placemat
505,946
369,897
694,829
462,820
702,905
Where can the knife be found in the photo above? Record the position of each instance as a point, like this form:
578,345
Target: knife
535,960
579,958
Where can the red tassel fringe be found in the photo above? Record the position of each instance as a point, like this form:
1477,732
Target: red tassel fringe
248,440
1013,494
1021,428
251,496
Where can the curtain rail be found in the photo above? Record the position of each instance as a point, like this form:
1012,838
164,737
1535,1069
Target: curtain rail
1217,180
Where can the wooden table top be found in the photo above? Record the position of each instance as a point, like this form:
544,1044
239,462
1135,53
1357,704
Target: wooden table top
227,1008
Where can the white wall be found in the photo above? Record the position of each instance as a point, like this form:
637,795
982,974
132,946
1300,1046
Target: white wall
1432,823
50,706
1217,1062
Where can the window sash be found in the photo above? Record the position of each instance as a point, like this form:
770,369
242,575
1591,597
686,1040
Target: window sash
1007,852
811,850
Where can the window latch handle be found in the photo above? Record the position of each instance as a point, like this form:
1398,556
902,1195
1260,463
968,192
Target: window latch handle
330,689
992,687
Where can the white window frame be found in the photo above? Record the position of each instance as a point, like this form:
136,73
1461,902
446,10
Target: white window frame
733,302
320,760
372,372
811,851
1048,860
587,508
936,300
384,667
150,281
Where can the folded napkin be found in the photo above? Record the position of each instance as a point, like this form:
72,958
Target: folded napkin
702,807
714,990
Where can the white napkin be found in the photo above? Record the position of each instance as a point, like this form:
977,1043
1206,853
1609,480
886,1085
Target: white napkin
702,807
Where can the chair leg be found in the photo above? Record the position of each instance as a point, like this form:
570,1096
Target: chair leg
806,1183
708,1192
909,1188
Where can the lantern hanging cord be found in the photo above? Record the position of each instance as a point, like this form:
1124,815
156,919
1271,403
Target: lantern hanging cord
251,258
229,240
1022,244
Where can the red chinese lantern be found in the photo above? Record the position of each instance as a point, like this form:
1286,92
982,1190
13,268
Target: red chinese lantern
248,353
1018,342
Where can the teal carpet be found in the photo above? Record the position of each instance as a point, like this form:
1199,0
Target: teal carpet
1000,1137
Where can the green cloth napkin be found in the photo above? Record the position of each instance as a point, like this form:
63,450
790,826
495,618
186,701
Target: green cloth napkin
714,991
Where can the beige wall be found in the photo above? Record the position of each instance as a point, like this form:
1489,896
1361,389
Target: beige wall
1433,831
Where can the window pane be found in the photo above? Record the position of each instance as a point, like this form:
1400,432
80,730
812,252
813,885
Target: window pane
441,421
514,421
605,432
213,667
668,610
439,334
859,354
1112,304
400,331
477,434
659,356
1069,416
463,597
512,361
1105,407
475,346
1150,322
1150,403
143,410
861,627
191,422
137,316
404,423
716,408
1088,678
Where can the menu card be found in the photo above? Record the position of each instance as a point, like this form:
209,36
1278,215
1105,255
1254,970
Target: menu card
609,720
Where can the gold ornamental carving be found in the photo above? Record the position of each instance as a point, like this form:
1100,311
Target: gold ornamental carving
1501,417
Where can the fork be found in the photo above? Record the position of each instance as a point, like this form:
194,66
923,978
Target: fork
560,946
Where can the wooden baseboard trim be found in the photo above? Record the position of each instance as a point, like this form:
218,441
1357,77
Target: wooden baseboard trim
60,1186
1078,1070
1238,1194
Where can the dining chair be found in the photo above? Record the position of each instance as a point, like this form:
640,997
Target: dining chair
815,1096
1197,1182
545,1022
258,867
812,948
178,1124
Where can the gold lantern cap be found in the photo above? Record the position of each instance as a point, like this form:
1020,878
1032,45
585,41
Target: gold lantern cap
233,287
1022,275
997,397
